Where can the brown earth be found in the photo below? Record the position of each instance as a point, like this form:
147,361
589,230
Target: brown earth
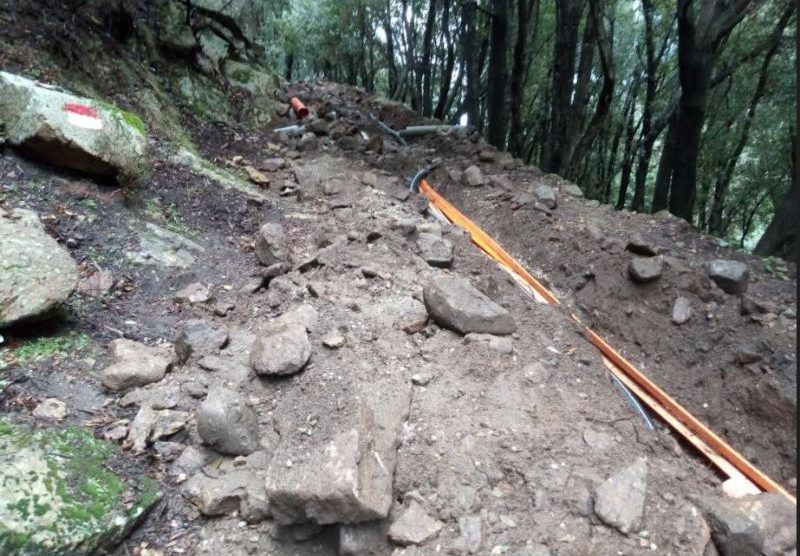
517,443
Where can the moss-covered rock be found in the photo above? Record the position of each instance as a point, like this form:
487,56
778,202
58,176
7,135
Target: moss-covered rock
58,497
203,98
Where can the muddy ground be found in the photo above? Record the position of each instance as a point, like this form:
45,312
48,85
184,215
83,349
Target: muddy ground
516,443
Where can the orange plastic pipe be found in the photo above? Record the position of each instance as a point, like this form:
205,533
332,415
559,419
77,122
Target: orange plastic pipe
484,242
299,108
673,408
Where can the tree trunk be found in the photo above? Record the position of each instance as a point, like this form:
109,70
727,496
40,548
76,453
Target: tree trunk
470,52
780,237
699,38
518,75
427,48
568,17
448,66
390,64
498,76
664,175
627,152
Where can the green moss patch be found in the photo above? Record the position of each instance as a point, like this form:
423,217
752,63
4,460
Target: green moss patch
58,496
129,118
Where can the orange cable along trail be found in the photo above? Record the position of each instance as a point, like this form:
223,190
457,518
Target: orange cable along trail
721,454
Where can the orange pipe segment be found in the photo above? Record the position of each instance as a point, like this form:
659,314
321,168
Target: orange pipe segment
299,108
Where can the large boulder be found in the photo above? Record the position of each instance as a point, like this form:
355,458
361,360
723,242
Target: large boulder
59,496
71,131
454,303
36,273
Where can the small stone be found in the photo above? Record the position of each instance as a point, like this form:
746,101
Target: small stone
194,293
334,340
487,155
270,245
730,276
681,311
167,423
51,408
239,490
411,315
318,126
421,379
413,526
471,529
547,196
435,250
197,338
134,364
619,501
473,177
194,389
273,164
227,422
256,176
168,450
497,343
280,349
596,440
644,270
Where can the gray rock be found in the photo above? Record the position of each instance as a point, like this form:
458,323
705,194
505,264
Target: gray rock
413,526
166,248
421,379
295,533
619,501
51,408
644,270
487,155
454,303
36,273
240,490
151,425
270,245
227,422
197,338
547,196
318,126
598,440
345,479
71,131
191,459
362,539
496,343
471,529
304,315
280,349
45,507
333,340
754,525
473,177
571,189
411,315
681,310
168,450
638,245
134,364
435,250
194,293
730,276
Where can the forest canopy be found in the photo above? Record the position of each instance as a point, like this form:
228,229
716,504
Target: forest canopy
683,105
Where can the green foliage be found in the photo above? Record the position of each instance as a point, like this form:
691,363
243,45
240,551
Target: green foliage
47,347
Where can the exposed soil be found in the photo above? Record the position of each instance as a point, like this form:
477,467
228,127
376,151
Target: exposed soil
510,438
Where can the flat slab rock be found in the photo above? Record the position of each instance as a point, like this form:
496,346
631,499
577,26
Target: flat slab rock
456,304
645,269
344,473
36,273
58,495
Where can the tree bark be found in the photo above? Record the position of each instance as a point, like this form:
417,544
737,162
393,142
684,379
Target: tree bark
498,76
390,64
568,17
469,50
449,64
516,143
426,74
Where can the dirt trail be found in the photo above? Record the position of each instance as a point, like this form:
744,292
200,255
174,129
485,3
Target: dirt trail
505,450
